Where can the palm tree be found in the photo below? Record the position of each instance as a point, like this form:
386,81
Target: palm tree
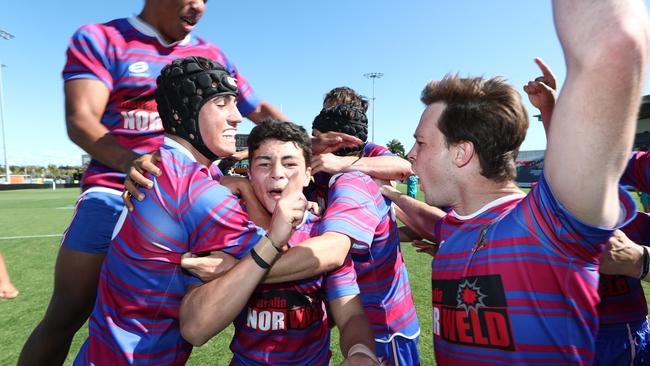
396,147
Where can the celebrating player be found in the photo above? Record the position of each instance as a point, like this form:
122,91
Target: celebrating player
136,317
513,270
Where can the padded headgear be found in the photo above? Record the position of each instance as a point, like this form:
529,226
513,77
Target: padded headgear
184,86
347,119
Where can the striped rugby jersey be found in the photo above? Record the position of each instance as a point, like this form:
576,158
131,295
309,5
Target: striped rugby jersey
356,208
622,299
286,323
127,56
136,316
517,283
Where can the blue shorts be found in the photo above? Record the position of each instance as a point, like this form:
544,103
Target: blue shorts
96,212
623,344
400,351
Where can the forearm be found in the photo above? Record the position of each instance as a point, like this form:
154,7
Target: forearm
209,308
356,330
102,146
417,215
311,258
381,167
546,114
266,110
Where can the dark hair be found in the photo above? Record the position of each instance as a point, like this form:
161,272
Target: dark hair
345,95
343,118
271,129
486,112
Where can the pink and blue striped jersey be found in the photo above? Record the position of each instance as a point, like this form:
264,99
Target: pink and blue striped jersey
286,323
622,297
127,56
135,319
637,172
517,283
357,209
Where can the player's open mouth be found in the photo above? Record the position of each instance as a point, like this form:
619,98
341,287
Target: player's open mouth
190,21
275,193
229,135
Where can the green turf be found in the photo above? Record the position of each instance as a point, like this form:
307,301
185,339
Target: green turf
31,263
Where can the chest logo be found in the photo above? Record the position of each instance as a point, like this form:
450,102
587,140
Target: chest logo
139,67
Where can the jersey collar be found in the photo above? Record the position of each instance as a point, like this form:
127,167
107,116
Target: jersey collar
146,29
489,205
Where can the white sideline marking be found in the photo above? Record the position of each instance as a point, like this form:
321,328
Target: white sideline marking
29,236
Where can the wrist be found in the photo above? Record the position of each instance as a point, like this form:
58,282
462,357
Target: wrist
645,263
362,349
265,253
127,161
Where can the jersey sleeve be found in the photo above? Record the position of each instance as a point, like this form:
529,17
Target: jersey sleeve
341,282
372,150
87,56
351,208
217,221
552,223
637,172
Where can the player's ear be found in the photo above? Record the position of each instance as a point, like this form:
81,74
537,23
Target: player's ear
305,183
463,152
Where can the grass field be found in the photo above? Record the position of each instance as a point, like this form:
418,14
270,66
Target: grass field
35,214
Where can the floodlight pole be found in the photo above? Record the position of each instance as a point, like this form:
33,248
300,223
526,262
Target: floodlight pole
7,36
2,123
373,76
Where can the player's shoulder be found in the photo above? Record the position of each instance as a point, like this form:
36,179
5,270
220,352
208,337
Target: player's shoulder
108,30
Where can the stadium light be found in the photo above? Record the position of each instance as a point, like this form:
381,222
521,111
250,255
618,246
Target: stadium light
7,36
373,76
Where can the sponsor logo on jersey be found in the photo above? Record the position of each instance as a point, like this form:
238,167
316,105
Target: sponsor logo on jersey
472,311
282,310
140,113
139,68
613,286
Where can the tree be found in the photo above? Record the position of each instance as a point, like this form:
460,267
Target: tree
396,147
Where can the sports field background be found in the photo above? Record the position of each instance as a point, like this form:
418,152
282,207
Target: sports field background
31,222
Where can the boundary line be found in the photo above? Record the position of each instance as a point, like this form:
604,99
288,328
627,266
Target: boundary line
29,236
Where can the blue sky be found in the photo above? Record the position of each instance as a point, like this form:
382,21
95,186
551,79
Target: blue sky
292,52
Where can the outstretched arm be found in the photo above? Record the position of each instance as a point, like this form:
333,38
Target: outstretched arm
417,215
598,104
266,110
313,257
380,167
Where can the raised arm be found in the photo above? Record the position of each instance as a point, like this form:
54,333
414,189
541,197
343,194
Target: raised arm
266,110
542,93
605,44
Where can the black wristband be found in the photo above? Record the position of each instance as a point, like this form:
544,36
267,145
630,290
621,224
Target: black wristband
645,265
260,262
